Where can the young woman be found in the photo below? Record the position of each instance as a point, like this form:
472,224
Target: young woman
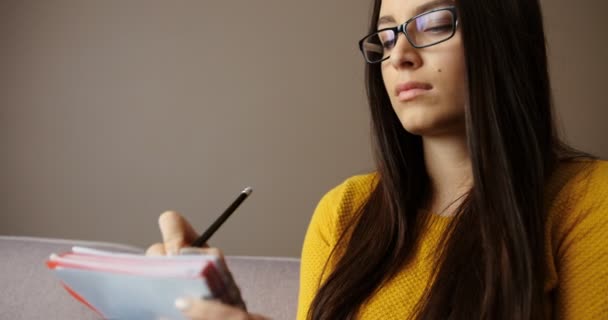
476,210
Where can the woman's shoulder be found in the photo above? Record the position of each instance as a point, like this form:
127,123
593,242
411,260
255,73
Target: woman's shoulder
350,194
338,206
584,178
580,194
577,237
352,190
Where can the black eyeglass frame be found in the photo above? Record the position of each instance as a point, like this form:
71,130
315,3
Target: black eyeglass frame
403,28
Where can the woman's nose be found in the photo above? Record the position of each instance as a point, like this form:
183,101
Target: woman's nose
404,55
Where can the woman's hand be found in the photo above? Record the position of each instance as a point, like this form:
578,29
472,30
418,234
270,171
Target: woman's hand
197,309
177,235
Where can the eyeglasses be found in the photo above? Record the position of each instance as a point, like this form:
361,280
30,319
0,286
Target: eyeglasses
424,30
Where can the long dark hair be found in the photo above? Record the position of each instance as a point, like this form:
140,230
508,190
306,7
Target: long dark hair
492,259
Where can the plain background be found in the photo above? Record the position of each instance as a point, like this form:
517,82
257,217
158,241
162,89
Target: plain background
115,111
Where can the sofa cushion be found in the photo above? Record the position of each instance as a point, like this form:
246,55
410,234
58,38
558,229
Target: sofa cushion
30,291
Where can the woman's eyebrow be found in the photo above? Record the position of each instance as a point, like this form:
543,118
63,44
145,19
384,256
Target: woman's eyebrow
432,5
386,19
419,9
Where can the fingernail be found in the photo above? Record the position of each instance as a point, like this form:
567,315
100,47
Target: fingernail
182,304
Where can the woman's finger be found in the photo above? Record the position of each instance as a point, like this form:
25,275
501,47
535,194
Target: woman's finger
197,309
176,231
157,249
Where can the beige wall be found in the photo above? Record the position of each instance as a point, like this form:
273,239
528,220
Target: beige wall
113,111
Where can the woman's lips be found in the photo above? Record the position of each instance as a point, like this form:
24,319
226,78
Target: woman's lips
410,90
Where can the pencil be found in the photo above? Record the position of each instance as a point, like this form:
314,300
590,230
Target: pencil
200,241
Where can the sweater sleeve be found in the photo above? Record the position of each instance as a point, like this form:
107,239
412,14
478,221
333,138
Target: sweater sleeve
318,243
335,211
582,254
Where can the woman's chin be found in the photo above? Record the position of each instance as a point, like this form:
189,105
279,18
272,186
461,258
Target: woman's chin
417,129
432,127
417,123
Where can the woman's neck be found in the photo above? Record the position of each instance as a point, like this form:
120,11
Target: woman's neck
448,165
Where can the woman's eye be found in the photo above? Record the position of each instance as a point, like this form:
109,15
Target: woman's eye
388,44
439,28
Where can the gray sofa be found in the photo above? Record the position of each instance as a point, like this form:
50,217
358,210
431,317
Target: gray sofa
28,290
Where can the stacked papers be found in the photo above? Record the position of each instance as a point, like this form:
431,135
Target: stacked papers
132,286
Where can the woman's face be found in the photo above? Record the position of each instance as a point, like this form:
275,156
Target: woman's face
427,86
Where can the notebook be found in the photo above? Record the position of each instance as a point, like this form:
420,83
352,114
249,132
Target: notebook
132,286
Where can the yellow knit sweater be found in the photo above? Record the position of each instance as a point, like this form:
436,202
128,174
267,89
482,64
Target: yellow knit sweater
576,247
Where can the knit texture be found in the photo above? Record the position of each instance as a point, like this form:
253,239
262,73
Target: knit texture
576,245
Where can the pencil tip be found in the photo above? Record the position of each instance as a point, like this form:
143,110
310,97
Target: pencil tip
248,190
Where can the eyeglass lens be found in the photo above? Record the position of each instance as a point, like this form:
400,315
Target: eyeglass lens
425,30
